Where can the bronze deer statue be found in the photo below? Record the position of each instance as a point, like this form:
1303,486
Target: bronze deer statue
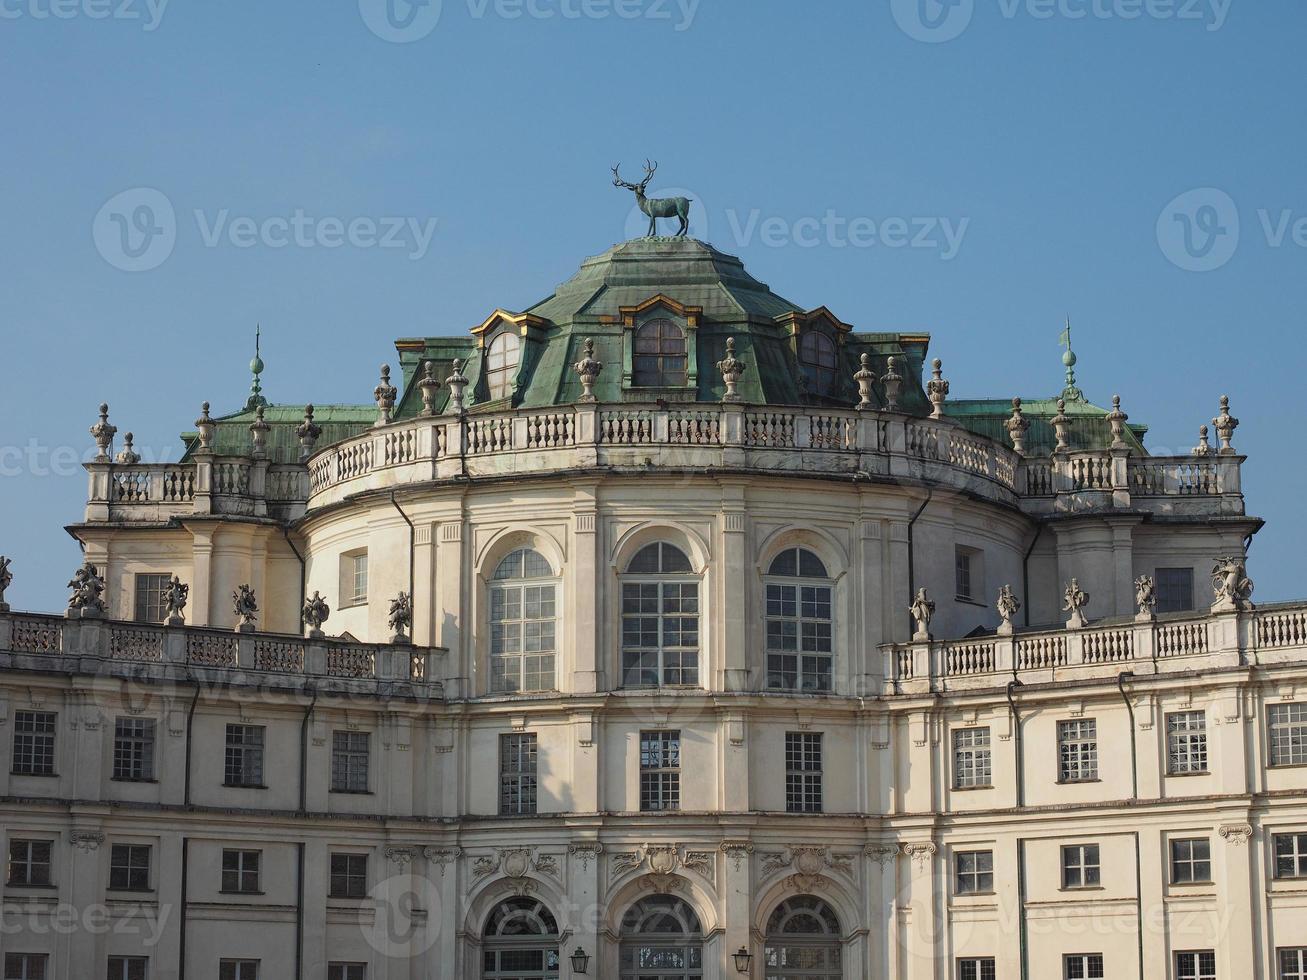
655,208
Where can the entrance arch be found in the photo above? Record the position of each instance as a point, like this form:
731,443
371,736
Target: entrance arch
520,941
661,940
803,941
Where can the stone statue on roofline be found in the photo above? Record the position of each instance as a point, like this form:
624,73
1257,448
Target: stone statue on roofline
6,579
1231,586
87,600
1008,606
175,594
315,613
1145,598
401,618
246,607
1075,599
922,609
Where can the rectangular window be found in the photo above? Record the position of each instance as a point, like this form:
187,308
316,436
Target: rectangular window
1195,965
660,770
29,863
517,774
349,875
244,763
238,970
1083,966
1080,866
349,762
240,871
1293,963
150,607
1077,751
127,967
800,648
1191,860
973,872
129,867
1186,742
971,759
133,749
1175,589
660,634
803,772
26,966
358,578
34,743
347,971
977,968
1287,734
964,573
1291,855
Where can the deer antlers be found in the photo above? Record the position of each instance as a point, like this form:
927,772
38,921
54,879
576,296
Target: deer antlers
648,176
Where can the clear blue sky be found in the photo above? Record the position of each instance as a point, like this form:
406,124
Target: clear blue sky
1059,139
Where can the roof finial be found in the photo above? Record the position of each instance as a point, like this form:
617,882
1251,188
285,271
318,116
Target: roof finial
256,368
1070,392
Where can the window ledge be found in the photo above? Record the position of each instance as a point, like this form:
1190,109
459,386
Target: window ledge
132,779
1181,775
35,775
35,888
111,892
972,789
244,786
224,891
1077,782
1081,888
350,792
967,600
352,604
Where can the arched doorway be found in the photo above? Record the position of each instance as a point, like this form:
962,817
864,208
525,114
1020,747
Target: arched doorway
803,941
661,940
520,942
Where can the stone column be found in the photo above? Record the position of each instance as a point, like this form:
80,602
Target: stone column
920,957
1233,854
870,668
583,916
316,872
201,605
585,591
82,952
735,576
737,895
449,606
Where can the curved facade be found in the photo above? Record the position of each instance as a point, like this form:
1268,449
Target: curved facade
662,700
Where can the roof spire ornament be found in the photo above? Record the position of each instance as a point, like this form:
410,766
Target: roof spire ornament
205,426
1225,424
937,389
731,368
429,388
1017,427
1204,448
893,382
385,393
256,368
1061,423
588,369
103,434
1117,420
259,434
865,377
1070,392
308,432
129,456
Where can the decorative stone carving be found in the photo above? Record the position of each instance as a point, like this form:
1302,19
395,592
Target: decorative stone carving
1204,448
516,864
401,856
737,851
129,456
442,857
6,580
1017,427
547,864
1145,598
1235,833
401,618
385,394
103,434
205,426
316,611
893,383
866,378
627,861
922,609
1008,606
807,882
663,884
663,861
809,862
456,382
175,594
308,432
882,854
1061,423
1117,420
1224,423
246,608
87,599
1074,601
588,369
937,389
731,368
259,434
1231,586
921,852
429,388
86,841
585,852
487,864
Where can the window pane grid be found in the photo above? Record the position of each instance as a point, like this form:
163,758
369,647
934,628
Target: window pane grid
1291,855
34,733
349,875
1186,742
244,759
129,867
149,605
1080,867
29,862
127,967
517,774
240,871
660,355
133,749
350,752
1083,966
1293,963
972,763
660,771
1288,734
25,966
977,968
1077,743
1191,860
803,772
800,642
1196,965
973,872
660,634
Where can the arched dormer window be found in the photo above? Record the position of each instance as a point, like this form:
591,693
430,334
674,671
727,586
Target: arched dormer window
520,942
800,649
662,939
803,941
819,362
660,619
502,357
661,355
523,607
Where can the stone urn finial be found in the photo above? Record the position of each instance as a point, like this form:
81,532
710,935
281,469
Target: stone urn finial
1008,605
937,389
922,609
259,434
1075,599
385,394
308,432
588,369
865,378
1225,424
103,434
205,426
1017,427
893,382
6,580
1204,447
429,388
1117,420
1061,423
457,382
246,607
731,368
129,456
314,614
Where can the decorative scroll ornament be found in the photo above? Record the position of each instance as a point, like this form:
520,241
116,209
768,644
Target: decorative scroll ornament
401,617
246,608
516,864
1017,427
1008,606
664,861
308,432
316,611
865,378
86,841
1231,586
401,856
175,594
737,851
88,592
937,389
429,388
1074,601
731,368
882,854
442,857
1145,598
922,609
588,370
921,852
1235,833
103,434
585,852
385,394
810,863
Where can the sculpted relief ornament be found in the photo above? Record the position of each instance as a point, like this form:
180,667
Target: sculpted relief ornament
1231,586
663,862
516,863
810,865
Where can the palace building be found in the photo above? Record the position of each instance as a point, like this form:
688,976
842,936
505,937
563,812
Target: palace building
665,630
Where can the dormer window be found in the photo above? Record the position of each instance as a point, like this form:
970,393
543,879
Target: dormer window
661,355
502,357
818,360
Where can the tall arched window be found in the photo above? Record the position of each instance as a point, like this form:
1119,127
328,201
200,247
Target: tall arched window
522,623
501,363
800,650
520,942
660,619
803,941
819,363
660,356
661,940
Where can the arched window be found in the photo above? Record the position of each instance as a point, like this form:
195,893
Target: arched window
661,940
660,619
501,363
660,357
800,651
803,941
819,363
522,623
520,942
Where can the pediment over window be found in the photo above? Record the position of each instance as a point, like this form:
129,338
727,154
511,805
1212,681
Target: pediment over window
629,315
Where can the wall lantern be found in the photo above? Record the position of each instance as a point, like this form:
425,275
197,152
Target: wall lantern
743,960
580,960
